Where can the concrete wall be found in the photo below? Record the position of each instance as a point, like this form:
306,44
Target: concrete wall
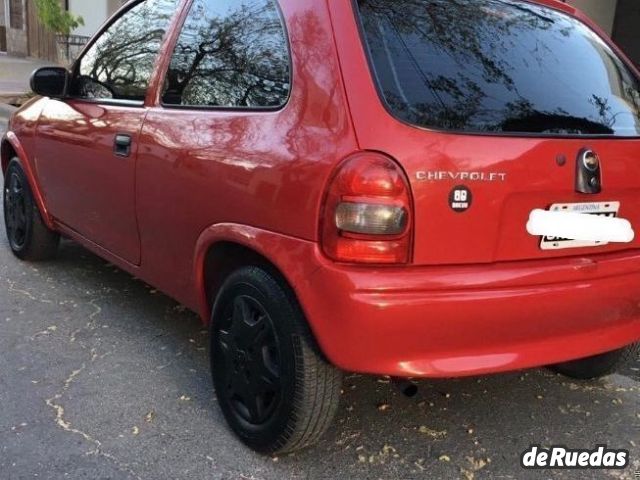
602,11
619,18
114,5
3,27
626,31
93,12
17,43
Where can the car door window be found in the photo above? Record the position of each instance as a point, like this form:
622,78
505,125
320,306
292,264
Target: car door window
119,64
230,54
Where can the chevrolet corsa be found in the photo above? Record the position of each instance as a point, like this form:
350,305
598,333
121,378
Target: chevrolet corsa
339,185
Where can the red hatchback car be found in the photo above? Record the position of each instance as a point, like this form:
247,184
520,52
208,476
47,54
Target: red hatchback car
345,185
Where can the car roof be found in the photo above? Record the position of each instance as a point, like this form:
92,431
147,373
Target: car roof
558,4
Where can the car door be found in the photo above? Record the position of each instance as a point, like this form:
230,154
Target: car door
86,146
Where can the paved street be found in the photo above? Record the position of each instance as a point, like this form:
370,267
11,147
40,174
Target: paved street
102,377
15,74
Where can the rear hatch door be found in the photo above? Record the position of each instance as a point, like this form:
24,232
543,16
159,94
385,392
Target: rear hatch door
488,106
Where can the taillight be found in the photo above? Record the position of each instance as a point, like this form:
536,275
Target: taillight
367,215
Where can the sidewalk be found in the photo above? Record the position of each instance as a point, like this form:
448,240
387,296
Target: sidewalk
14,76
5,113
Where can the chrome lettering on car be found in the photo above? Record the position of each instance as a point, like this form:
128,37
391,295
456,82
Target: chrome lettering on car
435,176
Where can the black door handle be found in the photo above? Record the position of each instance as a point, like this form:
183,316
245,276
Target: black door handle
122,145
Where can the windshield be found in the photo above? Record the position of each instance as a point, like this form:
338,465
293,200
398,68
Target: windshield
497,66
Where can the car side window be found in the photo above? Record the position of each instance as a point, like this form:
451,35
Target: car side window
119,65
230,54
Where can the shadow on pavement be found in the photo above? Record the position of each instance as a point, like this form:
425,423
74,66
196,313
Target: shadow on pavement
468,428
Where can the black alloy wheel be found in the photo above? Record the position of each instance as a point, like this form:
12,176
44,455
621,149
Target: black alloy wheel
28,235
276,390
249,351
15,211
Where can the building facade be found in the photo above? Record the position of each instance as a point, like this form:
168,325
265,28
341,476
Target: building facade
22,35
14,26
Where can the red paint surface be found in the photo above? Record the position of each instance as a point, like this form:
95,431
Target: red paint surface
479,295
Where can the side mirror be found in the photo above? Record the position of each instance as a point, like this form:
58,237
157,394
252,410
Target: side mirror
50,81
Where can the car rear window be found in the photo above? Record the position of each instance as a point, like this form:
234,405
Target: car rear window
497,66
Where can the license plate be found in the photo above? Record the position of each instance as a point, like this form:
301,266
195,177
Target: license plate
607,209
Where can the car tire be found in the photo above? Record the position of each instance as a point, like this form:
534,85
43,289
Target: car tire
599,365
29,238
275,389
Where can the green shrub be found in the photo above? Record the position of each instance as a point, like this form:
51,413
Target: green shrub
55,18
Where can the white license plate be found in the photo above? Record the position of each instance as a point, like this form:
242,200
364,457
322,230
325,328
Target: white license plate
608,209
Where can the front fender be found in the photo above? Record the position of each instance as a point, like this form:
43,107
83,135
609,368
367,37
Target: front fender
11,139
286,253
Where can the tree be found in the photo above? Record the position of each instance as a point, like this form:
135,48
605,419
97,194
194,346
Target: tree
55,18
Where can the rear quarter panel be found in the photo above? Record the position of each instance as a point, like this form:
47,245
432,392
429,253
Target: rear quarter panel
198,168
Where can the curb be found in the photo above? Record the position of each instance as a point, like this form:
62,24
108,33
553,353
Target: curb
6,110
12,98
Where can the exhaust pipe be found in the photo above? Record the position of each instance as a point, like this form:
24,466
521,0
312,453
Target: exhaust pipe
406,386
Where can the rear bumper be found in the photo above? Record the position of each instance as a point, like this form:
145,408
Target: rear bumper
471,320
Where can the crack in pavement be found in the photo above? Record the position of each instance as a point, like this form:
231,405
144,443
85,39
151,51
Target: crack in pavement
91,324
13,289
54,402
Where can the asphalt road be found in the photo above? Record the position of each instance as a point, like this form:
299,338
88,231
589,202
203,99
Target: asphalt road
102,377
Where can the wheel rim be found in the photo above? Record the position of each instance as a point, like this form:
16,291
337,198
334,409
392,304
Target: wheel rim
248,349
15,211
